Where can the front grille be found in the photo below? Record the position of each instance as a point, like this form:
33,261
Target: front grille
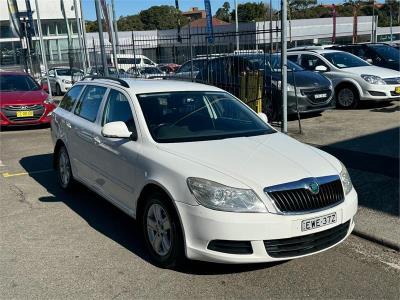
310,93
231,247
306,244
10,112
23,107
297,197
395,80
394,94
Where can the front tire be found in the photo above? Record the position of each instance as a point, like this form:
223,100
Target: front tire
64,171
347,97
162,231
58,90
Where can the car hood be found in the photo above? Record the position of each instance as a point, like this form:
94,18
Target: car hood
258,161
304,79
373,70
21,98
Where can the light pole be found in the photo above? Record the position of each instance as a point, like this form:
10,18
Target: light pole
80,36
42,49
101,38
236,24
284,64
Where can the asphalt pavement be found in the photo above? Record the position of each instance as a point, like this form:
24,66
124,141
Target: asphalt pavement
76,245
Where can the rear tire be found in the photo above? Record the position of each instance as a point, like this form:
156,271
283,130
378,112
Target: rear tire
64,171
162,232
347,97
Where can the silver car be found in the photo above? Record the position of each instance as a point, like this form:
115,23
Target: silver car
353,78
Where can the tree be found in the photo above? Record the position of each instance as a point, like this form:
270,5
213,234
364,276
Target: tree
130,23
250,12
296,5
161,17
223,13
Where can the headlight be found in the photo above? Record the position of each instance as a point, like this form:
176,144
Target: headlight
48,101
346,181
66,81
278,84
373,79
221,197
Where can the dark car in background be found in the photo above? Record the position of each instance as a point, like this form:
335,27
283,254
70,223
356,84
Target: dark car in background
307,91
378,54
190,69
23,101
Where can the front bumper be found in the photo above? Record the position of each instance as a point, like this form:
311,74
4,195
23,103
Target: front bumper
379,92
304,105
41,116
202,225
65,87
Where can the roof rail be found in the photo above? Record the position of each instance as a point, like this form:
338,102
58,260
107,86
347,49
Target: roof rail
120,81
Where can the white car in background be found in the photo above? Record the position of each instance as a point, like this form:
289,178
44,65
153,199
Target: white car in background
62,78
204,175
127,61
353,78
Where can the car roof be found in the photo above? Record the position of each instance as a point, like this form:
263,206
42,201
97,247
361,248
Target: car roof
145,86
13,73
319,51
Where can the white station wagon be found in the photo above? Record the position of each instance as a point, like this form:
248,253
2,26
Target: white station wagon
204,175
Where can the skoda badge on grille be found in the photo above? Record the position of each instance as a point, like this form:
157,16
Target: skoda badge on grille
313,187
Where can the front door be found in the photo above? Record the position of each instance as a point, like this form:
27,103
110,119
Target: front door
116,158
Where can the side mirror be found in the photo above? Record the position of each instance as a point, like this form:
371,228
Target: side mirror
116,130
321,68
369,60
263,117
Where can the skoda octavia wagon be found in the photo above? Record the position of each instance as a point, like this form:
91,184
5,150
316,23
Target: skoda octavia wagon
204,175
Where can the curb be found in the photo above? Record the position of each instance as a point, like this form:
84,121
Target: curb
376,239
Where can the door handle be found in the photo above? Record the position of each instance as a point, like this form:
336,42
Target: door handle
96,140
68,124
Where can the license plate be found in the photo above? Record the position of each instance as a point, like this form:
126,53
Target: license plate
397,89
26,113
318,222
319,96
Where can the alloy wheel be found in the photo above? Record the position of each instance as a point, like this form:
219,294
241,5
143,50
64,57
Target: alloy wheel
159,231
346,97
64,168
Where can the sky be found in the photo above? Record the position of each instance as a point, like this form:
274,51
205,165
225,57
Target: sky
131,7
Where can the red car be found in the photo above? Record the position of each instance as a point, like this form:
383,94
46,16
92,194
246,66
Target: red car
23,101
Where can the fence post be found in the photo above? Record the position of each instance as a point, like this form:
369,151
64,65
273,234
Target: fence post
134,51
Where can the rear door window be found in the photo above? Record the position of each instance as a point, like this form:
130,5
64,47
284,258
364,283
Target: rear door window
89,103
70,98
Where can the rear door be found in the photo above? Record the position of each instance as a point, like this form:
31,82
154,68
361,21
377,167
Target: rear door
81,138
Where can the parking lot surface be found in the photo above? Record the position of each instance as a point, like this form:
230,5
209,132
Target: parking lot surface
55,244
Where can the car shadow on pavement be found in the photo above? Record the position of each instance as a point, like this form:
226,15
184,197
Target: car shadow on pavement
104,217
373,163
24,127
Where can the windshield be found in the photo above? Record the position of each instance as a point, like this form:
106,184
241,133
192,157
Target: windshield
344,60
386,52
198,116
17,83
67,72
264,62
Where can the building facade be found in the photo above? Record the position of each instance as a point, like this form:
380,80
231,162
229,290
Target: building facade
54,29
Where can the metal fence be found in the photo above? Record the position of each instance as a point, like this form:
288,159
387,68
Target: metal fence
193,57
